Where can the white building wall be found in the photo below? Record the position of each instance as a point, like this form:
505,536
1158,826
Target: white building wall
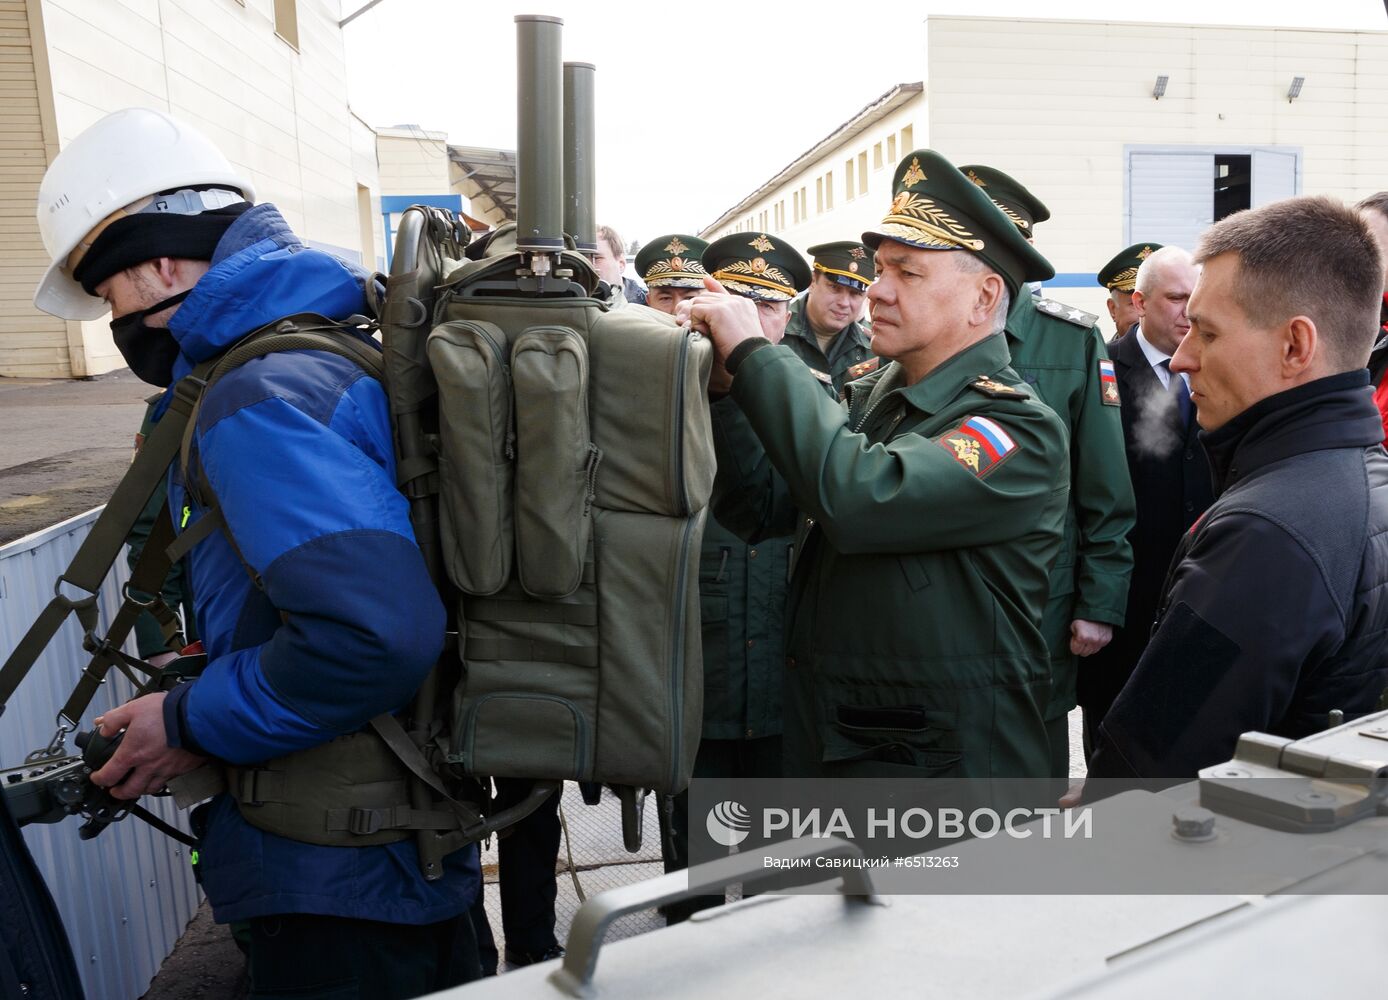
843,214
1055,103
32,343
412,161
1061,104
279,111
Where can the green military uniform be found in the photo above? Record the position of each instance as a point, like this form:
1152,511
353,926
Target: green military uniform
849,354
929,516
742,588
1060,353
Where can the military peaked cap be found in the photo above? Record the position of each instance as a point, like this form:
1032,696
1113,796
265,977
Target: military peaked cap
935,207
1120,273
1017,203
672,261
757,266
845,263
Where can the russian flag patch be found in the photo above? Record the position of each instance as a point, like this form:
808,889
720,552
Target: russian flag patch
978,444
1108,384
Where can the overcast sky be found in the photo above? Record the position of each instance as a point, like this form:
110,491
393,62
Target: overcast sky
696,110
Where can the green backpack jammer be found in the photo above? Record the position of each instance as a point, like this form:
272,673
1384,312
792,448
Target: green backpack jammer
559,460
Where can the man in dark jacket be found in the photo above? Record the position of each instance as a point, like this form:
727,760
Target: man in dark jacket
1170,476
1275,613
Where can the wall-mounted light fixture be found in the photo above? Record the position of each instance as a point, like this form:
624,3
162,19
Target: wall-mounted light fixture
1294,91
1159,88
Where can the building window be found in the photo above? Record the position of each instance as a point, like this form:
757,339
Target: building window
1233,184
287,21
891,151
1175,193
804,204
877,156
848,178
862,172
908,140
829,190
819,194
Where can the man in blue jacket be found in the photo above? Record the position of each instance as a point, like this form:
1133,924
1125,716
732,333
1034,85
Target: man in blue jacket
321,615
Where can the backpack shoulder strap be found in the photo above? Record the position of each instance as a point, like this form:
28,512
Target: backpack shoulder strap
301,332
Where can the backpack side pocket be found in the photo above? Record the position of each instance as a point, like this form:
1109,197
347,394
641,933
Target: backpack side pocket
556,461
477,449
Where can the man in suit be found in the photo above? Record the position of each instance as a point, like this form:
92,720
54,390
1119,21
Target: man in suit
1170,475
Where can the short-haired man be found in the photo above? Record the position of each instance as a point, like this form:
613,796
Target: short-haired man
824,330
930,508
1119,276
1059,351
1374,209
321,614
611,263
1275,613
1164,461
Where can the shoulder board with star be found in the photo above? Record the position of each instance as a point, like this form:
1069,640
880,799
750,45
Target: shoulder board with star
822,376
864,368
997,390
1068,313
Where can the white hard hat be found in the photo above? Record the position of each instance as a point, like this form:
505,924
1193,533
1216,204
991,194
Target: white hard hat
126,156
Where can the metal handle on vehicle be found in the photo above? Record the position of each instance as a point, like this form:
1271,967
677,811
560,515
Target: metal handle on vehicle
594,917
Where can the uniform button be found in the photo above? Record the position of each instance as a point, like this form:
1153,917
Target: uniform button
751,643
750,734
790,663
751,553
809,522
1189,506
1189,454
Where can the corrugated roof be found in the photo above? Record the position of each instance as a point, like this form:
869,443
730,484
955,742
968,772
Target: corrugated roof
492,170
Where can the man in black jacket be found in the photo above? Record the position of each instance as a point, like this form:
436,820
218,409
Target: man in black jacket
1275,612
1170,476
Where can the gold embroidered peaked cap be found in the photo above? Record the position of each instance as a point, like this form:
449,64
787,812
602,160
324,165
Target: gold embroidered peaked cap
1017,203
935,207
757,266
845,263
1120,273
672,261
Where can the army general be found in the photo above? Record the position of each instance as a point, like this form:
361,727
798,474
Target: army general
929,505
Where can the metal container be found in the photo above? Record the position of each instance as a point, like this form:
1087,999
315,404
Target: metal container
539,134
580,183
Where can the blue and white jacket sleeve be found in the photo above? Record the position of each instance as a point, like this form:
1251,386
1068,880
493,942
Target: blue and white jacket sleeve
304,475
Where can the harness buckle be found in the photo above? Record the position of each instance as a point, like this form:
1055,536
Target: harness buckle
364,822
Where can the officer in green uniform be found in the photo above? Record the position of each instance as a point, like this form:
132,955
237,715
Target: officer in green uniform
1119,276
671,268
929,506
824,329
1060,353
742,588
